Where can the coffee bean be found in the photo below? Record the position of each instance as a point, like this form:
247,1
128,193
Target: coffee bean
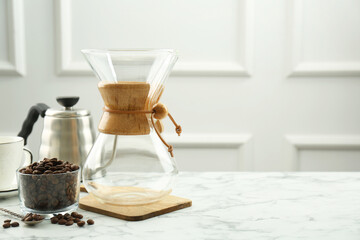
79,216
41,169
81,223
74,214
30,218
58,167
38,217
48,172
69,223
54,220
62,221
6,225
74,167
76,220
90,222
14,224
37,172
7,220
27,215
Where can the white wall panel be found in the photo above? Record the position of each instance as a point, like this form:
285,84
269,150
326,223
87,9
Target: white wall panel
212,37
3,29
201,152
197,159
12,52
324,37
341,160
322,45
323,153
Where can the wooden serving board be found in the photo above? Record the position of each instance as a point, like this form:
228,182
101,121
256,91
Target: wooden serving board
135,213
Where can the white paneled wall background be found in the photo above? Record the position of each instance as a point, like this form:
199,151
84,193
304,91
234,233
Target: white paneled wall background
260,85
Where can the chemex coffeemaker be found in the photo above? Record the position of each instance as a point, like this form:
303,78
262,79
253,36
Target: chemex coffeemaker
130,163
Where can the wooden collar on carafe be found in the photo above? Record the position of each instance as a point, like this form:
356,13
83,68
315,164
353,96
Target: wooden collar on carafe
159,111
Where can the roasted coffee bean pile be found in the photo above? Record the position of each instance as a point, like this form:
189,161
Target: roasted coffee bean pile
49,166
32,217
8,223
49,185
69,219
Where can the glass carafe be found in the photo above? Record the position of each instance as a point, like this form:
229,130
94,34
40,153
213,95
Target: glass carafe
130,163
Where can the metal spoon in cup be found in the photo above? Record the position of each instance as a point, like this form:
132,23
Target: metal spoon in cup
32,222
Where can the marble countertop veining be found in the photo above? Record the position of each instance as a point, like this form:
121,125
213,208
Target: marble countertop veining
231,206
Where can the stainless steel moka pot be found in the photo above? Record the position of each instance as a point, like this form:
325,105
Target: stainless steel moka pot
68,134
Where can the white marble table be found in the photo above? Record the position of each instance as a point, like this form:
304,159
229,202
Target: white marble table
232,206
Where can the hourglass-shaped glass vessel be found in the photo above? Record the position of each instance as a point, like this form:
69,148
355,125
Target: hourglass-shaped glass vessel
129,163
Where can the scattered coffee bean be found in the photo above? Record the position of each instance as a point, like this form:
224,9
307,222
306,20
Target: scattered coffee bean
81,223
69,223
62,221
69,219
6,225
15,224
54,220
90,222
7,220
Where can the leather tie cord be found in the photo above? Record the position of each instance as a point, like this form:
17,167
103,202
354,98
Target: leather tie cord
152,112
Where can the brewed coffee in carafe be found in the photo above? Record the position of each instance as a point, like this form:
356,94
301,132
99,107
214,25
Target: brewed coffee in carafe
130,162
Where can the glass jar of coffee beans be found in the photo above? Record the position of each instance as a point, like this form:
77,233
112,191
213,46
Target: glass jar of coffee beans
49,186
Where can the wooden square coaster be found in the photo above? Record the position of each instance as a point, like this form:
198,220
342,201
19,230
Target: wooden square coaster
135,213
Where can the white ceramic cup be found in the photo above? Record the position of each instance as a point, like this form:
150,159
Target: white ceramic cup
13,156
